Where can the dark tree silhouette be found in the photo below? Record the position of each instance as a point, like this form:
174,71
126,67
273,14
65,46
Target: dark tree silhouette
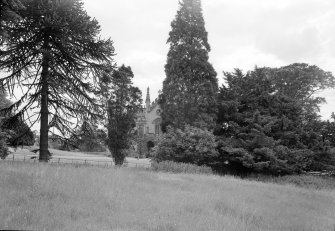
190,87
53,53
124,102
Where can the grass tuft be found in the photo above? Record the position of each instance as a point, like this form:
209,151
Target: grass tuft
304,181
174,167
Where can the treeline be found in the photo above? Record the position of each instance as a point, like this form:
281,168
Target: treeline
266,120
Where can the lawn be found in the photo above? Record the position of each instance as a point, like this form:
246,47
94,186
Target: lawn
56,197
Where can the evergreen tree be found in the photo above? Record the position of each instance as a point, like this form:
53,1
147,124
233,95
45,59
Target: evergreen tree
190,87
124,102
21,133
54,54
266,121
261,133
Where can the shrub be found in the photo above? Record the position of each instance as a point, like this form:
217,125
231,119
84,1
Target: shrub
3,149
276,160
324,161
3,146
193,145
170,166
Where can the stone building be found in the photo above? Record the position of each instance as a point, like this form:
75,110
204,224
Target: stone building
148,126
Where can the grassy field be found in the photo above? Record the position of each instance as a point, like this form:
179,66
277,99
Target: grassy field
56,197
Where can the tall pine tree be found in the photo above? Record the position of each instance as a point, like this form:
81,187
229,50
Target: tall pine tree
54,54
190,87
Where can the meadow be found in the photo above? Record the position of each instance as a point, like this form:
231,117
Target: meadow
67,197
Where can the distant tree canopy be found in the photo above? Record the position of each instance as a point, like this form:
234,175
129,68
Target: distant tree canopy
190,87
124,101
88,138
54,54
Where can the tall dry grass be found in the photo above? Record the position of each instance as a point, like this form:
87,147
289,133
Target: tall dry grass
53,197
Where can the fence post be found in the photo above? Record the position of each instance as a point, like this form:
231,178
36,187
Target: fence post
24,158
13,157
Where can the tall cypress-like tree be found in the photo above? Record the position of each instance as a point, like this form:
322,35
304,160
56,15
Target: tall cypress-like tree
123,103
54,54
190,87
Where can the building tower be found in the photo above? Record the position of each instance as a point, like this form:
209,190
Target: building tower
148,126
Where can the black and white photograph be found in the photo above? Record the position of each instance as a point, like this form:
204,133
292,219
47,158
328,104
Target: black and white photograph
167,115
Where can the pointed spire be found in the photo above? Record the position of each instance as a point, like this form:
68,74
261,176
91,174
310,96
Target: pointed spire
147,100
148,95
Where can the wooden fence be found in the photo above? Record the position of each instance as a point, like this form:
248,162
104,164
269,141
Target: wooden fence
74,161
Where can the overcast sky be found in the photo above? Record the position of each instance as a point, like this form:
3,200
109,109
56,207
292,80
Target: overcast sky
242,34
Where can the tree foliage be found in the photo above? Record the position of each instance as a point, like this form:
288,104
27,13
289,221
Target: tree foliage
54,54
123,103
21,133
301,82
191,145
4,102
9,13
190,86
262,119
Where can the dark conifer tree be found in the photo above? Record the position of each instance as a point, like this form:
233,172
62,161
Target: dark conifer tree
190,87
54,54
123,103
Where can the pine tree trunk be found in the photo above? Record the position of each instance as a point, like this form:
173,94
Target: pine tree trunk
44,130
